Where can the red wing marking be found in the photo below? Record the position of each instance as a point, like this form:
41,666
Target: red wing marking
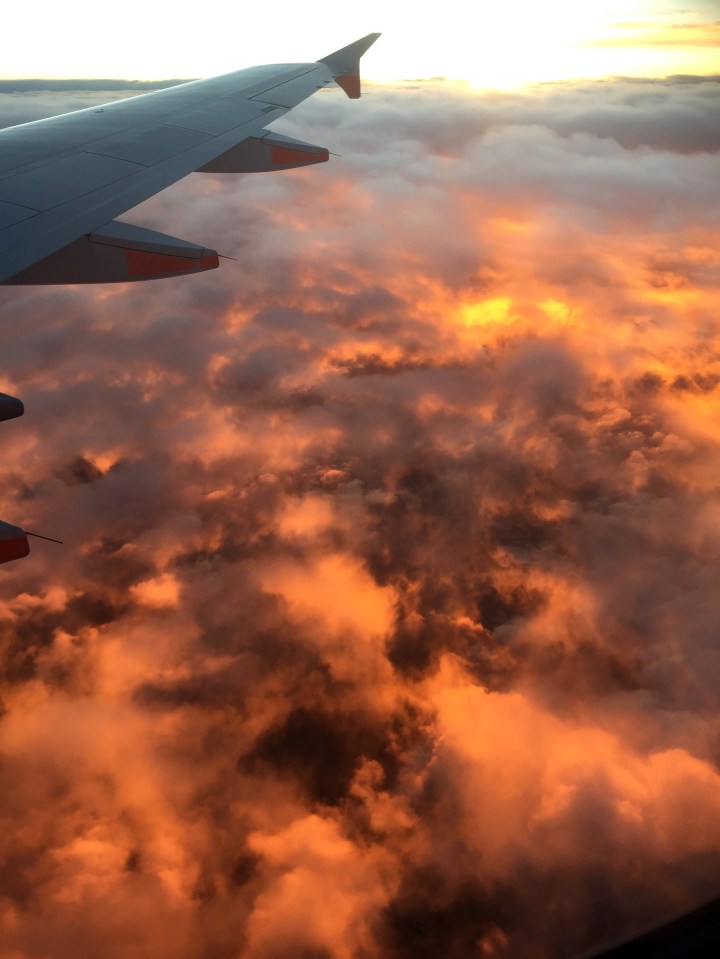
142,263
281,156
350,83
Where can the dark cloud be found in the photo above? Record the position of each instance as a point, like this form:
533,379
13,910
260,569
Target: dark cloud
386,619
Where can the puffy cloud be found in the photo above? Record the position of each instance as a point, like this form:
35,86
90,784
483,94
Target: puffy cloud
386,620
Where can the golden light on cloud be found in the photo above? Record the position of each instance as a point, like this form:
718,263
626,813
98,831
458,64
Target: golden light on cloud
492,312
158,592
387,616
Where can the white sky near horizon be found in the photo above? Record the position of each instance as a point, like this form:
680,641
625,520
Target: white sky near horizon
488,44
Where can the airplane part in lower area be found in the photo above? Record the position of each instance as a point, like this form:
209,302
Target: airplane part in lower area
694,935
13,542
261,154
118,253
10,407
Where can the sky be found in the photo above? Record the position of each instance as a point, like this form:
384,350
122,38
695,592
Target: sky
385,625
487,44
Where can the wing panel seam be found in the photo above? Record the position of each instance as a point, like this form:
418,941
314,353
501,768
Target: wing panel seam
111,156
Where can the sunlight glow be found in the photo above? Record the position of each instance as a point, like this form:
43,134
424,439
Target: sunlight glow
492,312
485,44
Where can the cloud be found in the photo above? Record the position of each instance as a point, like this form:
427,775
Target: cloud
386,620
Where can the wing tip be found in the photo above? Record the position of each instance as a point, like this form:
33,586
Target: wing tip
345,64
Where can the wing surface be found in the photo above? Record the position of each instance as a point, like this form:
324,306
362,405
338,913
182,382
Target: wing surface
67,177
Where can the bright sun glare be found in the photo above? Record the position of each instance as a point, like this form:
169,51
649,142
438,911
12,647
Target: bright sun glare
489,45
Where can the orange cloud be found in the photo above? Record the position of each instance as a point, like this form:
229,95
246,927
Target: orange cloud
386,620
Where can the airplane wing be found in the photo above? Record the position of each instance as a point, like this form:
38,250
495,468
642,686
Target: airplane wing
64,180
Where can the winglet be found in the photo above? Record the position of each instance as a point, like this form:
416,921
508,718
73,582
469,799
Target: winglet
345,64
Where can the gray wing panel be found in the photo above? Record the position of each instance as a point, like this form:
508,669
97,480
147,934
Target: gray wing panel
150,145
34,142
70,175
11,213
217,117
284,93
63,180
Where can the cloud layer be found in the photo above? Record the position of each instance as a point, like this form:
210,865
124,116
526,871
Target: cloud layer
387,621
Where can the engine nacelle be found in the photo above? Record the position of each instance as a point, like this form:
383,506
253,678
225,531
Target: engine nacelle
118,253
271,152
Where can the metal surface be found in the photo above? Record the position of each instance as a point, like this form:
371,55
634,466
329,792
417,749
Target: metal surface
12,213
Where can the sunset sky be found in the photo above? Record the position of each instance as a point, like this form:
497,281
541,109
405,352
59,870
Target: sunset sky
488,44
386,624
